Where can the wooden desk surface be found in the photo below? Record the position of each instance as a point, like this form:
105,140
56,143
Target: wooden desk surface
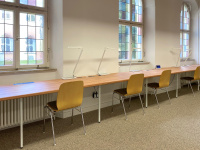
51,86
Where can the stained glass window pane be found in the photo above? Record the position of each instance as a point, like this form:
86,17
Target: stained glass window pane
124,42
37,3
185,27
6,37
136,43
185,44
181,20
185,18
137,10
31,38
124,9
184,38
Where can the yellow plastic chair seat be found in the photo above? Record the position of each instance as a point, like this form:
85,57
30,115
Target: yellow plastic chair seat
153,85
122,92
187,78
53,105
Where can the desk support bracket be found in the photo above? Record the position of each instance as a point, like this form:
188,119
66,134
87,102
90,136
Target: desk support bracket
177,85
146,101
21,122
99,110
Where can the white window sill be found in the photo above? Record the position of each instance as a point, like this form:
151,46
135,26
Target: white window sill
183,59
133,63
25,71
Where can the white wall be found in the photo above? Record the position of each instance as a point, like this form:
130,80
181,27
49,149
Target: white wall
167,31
55,35
149,31
27,77
92,24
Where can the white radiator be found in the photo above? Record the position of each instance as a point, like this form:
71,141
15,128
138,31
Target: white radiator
32,110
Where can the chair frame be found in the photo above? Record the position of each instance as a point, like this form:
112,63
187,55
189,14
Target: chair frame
52,115
195,78
155,93
122,100
190,85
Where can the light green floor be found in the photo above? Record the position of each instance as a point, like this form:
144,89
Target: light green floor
172,127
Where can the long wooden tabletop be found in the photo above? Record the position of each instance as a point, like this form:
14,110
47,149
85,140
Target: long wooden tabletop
9,92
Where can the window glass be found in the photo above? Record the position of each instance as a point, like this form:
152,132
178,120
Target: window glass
6,37
184,44
185,18
37,3
31,38
130,30
124,9
136,42
124,41
137,10
185,31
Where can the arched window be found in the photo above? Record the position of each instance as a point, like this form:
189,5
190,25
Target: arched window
185,30
130,29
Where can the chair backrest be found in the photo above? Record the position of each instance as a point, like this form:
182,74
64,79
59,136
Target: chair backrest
70,95
135,84
197,73
165,78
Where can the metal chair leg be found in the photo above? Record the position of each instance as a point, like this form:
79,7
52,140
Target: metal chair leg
198,85
129,103
141,104
124,107
191,88
72,121
168,96
51,114
155,92
44,117
83,121
112,102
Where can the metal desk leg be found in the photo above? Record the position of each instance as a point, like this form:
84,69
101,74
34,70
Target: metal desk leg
21,122
177,85
146,102
99,110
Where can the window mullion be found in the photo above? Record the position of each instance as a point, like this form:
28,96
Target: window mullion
17,2
130,26
182,45
131,8
131,49
17,41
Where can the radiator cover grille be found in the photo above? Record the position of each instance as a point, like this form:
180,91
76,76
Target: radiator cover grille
32,110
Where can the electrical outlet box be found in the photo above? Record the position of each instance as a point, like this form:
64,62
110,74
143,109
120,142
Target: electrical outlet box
95,95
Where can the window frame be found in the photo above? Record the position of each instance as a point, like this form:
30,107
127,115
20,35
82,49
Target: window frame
183,30
17,3
131,23
16,32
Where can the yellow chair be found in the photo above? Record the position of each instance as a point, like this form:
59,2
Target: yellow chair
135,84
70,96
163,84
196,77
